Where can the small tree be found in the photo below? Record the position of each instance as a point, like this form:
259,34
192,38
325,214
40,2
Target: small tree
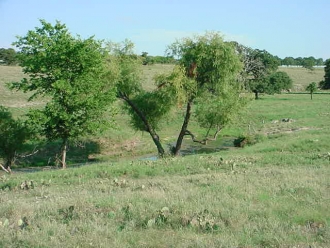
71,71
146,108
13,133
311,88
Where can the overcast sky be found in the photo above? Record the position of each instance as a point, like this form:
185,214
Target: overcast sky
297,28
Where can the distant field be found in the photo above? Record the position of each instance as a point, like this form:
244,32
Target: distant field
302,77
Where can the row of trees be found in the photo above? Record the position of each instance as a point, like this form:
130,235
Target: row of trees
304,62
149,60
83,77
8,56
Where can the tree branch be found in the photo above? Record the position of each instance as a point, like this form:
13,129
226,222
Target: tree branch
203,142
2,167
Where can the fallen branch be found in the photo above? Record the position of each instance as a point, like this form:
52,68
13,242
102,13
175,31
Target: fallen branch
204,141
27,155
187,132
2,167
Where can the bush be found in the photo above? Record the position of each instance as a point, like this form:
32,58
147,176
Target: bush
243,140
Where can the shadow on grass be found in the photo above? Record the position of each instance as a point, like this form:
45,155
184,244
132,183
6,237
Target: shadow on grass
48,154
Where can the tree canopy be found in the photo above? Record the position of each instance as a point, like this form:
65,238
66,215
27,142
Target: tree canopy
212,67
72,73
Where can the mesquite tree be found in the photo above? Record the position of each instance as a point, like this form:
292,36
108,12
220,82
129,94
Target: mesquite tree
72,74
206,74
213,66
146,108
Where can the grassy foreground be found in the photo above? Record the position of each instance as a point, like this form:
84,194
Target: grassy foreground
275,193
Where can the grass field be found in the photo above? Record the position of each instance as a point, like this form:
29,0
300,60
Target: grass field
275,193
302,77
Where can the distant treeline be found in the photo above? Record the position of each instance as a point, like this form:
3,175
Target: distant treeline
149,60
304,62
8,57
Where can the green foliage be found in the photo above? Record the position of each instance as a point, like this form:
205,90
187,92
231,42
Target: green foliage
279,81
123,62
216,111
208,59
8,56
325,84
154,105
13,133
213,66
311,88
69,70
309,63
258,66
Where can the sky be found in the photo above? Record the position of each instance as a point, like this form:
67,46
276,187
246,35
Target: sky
296,28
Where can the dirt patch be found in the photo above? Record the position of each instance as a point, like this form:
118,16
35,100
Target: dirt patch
291,130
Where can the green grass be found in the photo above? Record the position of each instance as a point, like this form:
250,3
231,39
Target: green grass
274,193
210,203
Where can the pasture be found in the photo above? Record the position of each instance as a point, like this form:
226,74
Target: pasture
273,193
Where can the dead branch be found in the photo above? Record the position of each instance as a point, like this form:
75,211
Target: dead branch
26,155
187,132
206,139
2,167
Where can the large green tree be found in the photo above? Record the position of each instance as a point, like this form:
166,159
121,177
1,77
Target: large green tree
277,82
206,74
71,72
259,72
212,67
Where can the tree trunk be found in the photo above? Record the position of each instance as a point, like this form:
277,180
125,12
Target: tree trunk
10,162
63,152
311,96
149,128
183,129
256,94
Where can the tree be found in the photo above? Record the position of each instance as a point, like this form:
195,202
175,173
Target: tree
71,72
129,88
325,84
277,82
319,62
288,61
207,70
311,88
13,133
212,67
258,66
309,63
8,56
